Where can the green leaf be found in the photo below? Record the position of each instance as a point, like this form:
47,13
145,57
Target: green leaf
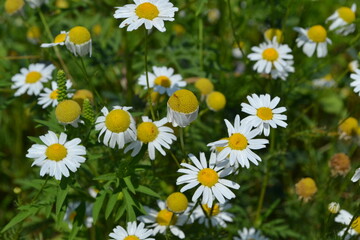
120,212
98,204
147,191
19,218
60,197
106,177
129,184
111,204
35,140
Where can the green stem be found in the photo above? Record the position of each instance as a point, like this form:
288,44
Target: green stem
41,189
175,159
181,133
201,42
147,77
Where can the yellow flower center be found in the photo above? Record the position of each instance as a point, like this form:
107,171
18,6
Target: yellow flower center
79,35
54,94
72,216
270,54
96,29
132,237
33,33
60,38
62,4
12,6
215,210
177,202
204,85
183,101
33,77
219,149
265,113
237,141
117,120
306,187
349,126
208,177
56,152
67,111
166,218
317,33
147,10
163,81
346,14
216,101
274,32
147,132
356,225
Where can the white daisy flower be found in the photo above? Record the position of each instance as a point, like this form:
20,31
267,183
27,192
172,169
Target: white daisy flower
132,232
118,126
345,217
214,216
263,113
30,80
209,177
313,38
59,40
353,65
163,80
240,144
50,96
57,156
270,55
71,213
36,3
289,68
356,176
155,134
250,234
326,81
356,83
151,13
161,220
78,41
343,20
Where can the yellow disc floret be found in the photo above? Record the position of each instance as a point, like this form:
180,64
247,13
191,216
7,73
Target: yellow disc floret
177,202
317,33
147,132
274,32
163,81
54,94
349,126
96,29
147,10
264,113
33,77
67,111
33,33
131,237
306,188
208,177
60,38
204,85
79,35
237,141
117,121
346,14
62,4
356,225
213,211
183,101
12,6
56,152
166,218
81,95
270,54
216,101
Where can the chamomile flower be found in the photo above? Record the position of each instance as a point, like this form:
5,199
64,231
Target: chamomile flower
68,112
250,234
343,20
204,85
263,114
313,38
30,80
13,6
33,34
163,80
118,126
270,55
155,134
71,213
334,207
36,3
78,41
177,202
236,52
356,81
216,101
339,164
209,177
353,66
151,13
132,232
345,217
306,189
356,176
59,40
161,220
57,156
326,81
270,33
238,147
215,216
288,68
50,96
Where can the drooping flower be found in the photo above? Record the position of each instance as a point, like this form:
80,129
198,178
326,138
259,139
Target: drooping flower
78,41
343,20
215,216
59,40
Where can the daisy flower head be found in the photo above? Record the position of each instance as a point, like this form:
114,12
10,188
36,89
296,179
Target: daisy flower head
71,213
59,40
78,41
270,33
326,81
344,217
205,86
68,112
339,165
209,177
57,155
240,143
177,202
216,101
118,126
311,39
182,108
263,113
163,80
356,81
132,232
270,55
343,20
36,3
334,207
288,68
250,234
348,128
305,189
154,134
353,66
30,80
13,6
162,220
215,216
33,34
50,96
356,176
151,13
236,52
